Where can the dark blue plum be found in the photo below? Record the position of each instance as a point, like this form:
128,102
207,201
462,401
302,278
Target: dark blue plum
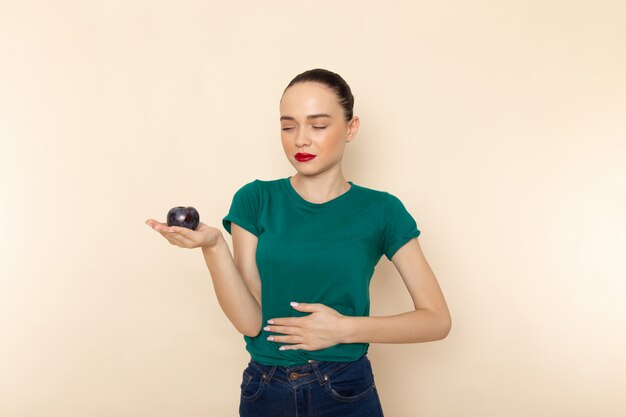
184,217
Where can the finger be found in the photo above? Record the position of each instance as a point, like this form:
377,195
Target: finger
169,238
295,347
283,329
153,223
164,231
181,231
164,228
309,307
182,234
173,237
176,238
286,321
285,339
160,227
182,241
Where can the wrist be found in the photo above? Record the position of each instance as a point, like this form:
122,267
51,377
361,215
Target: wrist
348,329
215,247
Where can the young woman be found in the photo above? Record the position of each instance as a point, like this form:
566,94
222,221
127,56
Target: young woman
305,248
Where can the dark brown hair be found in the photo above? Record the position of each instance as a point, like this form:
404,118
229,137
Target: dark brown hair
334,82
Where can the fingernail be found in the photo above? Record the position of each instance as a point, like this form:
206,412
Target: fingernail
270,321
294,304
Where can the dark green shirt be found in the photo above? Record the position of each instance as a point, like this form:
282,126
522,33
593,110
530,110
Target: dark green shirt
316,253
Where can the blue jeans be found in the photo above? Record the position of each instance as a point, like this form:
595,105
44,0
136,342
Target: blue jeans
317,389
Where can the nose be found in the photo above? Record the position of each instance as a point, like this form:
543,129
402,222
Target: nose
301,138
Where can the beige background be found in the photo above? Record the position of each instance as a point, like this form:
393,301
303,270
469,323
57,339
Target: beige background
500,125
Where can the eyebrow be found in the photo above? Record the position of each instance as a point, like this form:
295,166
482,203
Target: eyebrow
311,116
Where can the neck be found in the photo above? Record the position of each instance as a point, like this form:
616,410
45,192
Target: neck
319,189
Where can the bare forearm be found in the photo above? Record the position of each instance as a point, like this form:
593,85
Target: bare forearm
417,326
239,305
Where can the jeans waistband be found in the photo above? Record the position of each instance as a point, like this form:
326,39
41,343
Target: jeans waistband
303,374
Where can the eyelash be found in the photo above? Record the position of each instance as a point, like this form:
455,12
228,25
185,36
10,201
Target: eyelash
314,127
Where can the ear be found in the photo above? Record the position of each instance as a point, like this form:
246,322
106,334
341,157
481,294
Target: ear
353,128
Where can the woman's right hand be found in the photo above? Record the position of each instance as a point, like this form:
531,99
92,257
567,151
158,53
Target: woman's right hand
204,236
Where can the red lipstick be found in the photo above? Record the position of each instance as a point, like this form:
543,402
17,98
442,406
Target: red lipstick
303,157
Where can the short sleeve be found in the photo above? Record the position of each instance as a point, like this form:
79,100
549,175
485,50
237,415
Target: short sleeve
399,227
244,209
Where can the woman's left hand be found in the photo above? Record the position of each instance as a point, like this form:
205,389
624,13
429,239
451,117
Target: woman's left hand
323,328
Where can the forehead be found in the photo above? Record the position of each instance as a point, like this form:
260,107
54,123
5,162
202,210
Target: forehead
308,98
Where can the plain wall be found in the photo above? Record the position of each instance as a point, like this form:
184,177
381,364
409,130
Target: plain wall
500,125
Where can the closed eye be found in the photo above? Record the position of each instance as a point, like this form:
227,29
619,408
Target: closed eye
287,128
320,127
